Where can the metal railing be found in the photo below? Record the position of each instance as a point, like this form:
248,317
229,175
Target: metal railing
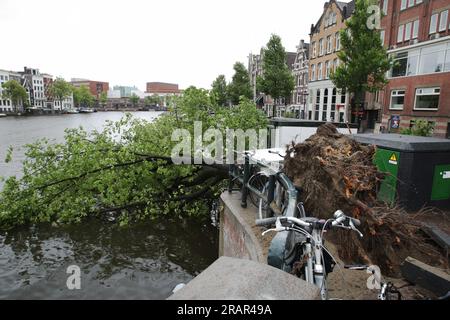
276,180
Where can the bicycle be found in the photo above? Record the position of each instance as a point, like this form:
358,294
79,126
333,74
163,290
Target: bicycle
306,258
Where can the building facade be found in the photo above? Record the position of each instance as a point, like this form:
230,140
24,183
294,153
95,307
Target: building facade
162,88
255,69
325,101
300,72
95,87
5,104
277,107
36,89
417,35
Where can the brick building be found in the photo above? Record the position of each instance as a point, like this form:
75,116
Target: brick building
95,87
326,102
161,88
417,35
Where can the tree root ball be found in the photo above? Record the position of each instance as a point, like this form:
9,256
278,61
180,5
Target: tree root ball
336,172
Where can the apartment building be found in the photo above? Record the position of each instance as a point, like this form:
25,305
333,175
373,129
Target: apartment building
265,102
95,87
35,84
417,35
325,101
5,104
300,72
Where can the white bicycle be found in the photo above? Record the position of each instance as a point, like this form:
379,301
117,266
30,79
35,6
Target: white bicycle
307,256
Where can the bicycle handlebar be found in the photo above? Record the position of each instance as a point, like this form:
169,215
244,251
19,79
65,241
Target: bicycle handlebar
340,220
266,222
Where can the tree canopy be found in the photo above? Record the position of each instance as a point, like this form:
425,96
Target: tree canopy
61,89
219,90
364,60
134,99
240,84
277,80
124,172
14,91
83,97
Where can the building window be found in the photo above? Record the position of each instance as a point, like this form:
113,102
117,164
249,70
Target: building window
410,3
319,71
443,21
336,64
432,59
415,32
405,64
397,99
325,105
382,36
427,99
314,50
321,47
401,29
338,41
333,105
313,72
317,107
329,45
403,4
433,23
408,31
385,6
327,70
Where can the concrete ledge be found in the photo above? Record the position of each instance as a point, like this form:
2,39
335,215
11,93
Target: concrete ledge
426,276
236,279
236,235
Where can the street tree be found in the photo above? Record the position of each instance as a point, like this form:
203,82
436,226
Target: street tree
240,84
60,89
103,99
83,97
14,91
277,80
363,57
134,100
219,91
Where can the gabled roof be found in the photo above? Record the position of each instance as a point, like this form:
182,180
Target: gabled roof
290,59
346,9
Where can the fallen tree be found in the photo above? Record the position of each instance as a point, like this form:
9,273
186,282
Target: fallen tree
124,172
336,172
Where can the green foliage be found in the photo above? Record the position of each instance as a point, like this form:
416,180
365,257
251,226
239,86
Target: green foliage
134,99
364,60
219,90
123,171
103,98
421,128
60,89
14,91
240,84
277,80
153,100
82,97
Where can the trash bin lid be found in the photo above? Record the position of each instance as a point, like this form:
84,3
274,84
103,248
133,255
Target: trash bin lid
404,143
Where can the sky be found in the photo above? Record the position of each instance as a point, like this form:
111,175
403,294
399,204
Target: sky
132,42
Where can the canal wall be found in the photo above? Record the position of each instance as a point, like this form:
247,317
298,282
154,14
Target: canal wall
238,239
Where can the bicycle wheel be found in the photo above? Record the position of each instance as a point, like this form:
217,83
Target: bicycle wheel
257,181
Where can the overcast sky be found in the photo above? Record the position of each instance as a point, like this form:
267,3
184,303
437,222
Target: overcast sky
131,42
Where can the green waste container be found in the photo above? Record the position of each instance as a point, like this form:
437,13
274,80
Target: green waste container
418,169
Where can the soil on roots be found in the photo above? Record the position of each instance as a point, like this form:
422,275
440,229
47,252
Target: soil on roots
336,172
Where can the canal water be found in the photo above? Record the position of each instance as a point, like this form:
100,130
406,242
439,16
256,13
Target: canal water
143,261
